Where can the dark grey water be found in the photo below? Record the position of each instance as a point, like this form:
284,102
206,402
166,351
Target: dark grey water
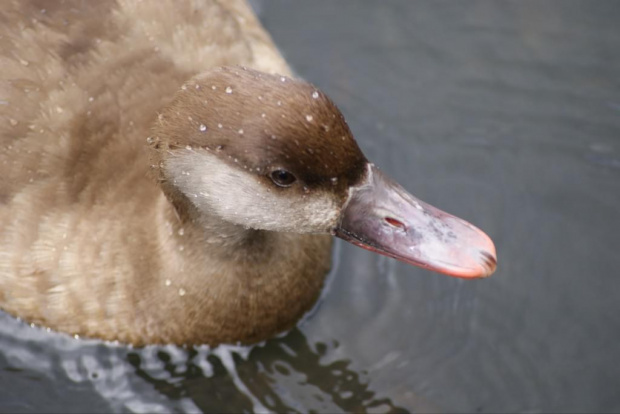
505,113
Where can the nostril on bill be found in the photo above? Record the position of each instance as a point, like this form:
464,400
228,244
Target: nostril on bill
395,223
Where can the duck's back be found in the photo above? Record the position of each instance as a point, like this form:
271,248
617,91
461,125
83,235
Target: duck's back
80,86
81,78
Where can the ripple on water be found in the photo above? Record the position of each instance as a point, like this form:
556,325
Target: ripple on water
283,374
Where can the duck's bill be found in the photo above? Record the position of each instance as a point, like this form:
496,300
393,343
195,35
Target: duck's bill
383,217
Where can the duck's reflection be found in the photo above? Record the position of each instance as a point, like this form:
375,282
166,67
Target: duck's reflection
283,375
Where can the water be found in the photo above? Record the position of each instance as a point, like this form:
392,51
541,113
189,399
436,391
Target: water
504,113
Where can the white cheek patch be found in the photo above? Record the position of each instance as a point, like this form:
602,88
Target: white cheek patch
239,197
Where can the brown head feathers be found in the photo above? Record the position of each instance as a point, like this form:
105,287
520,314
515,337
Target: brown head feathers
262,122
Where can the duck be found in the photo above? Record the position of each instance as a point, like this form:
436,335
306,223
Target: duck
166,178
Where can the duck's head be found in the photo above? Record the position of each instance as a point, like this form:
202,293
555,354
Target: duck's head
272,153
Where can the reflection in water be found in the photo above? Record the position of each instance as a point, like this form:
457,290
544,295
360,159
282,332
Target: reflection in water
283,374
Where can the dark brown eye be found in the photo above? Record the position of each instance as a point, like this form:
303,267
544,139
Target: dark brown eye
282,178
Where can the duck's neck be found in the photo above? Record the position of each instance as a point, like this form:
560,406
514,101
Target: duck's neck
228,283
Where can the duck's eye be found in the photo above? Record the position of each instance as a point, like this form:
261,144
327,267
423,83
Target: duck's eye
282,178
